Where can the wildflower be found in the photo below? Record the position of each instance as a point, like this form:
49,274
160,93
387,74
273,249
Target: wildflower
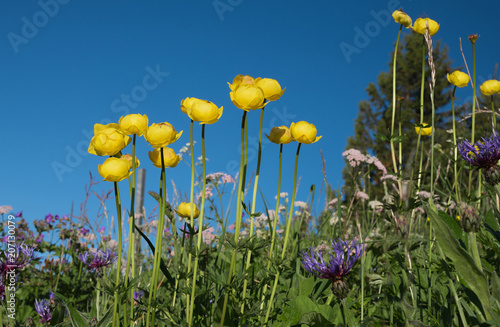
490,87
17,259
138,295
114,169
42,308
423,130
336,267
130,163
280,135
170,159
332,203
19,214
303,132
184,210
220,177
203,111
271,87
162,134
208,235
5,209
84,231
134,124
471,221
282,195
239,80
39,238
248,97
483,154
362,196
402,18
96,261
301,204
421,24
458,78
108,140
208,193
473,38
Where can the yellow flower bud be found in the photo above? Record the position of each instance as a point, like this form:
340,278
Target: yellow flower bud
458,78
490,87
402,18
425,130
187,103
303,132
420,26
170,159
108,141
240,79
280,135
134,124
129,159
247,96
204,111
271,87
159,135
184,210
114,169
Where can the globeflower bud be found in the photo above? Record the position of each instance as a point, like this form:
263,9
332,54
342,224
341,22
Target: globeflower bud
187,103
458,78
204,111
134,124
170,159
162,134
108,141
425,130
247,97
129,159
490,87
303,132
471,222
420,26
114,169
280,135
402,18
271,87
184,210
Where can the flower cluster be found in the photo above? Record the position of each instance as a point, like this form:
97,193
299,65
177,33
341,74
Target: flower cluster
96,261
356,158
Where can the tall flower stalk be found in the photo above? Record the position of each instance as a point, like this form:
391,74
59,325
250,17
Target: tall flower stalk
116,316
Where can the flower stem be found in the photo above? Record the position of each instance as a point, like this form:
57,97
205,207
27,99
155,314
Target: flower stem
393,154
116,319
493,116
455,150
191,221
239,199
200,222
475,252
473,104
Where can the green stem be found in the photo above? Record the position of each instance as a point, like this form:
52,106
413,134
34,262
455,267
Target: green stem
191,221
475,252
455,149
393,154
239,199
493,116
200,222
473,105
116,321
287,232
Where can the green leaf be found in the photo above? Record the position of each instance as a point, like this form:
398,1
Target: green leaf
495,289
462,260
77,319
452,224
107,319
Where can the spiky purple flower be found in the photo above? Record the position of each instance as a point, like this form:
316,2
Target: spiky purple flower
336,266
17,256
42,308
95,261
483,154
138,295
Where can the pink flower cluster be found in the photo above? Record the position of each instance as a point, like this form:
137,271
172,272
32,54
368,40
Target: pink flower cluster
356,158
224,178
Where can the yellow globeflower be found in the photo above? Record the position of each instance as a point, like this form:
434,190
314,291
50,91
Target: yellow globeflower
420,26
184,210
303,132
402,18
114,169
458,78
159,135
271,87
280,135
490,87
204,111
425,130
129,159
108,141
247,97
134,124
170,159
187,103
240,79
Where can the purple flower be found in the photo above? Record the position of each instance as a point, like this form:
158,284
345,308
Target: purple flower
84,231
138,295
483,154
17,259
336,267
19,214
48,218
102,229
95,261
42,307
39,238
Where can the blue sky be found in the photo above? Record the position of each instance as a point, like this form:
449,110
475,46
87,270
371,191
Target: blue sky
68,64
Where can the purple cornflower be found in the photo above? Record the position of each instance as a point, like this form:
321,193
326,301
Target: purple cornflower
483,154
138,295
338,265
95,261
17,257
42,307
